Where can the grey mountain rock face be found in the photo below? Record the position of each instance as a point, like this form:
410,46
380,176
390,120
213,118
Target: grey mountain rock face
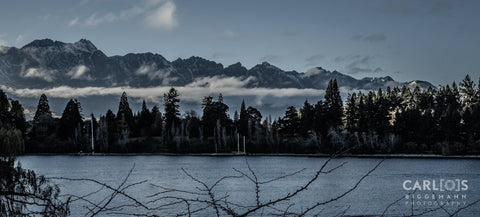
47,63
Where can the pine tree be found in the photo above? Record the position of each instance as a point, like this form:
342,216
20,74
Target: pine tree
243,121
362,114
290,121
307,114
111,128
333,104
71,124
351,113
157,121
382,114
43,109
320,118
145,120
4,108
125,111
214,113
468,92
18,117
170,101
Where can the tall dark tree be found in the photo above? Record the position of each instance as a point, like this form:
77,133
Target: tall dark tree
351,113
170,102
333,104
157,119
4,108
468,92
307,114
193,124
471,110
71,124
320,118
18,117
145,120
43,108
381,114
125,111
362,122
214,113
290,122
448,116
111,128
243,121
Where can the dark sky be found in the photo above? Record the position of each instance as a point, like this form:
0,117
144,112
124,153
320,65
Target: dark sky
434,40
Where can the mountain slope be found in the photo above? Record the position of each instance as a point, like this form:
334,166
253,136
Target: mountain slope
47,63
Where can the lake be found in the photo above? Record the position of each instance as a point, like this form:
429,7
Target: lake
454,183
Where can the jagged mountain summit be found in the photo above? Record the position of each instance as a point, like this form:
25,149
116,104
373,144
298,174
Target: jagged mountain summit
46,63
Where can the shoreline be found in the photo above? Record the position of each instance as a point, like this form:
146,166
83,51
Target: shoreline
319,155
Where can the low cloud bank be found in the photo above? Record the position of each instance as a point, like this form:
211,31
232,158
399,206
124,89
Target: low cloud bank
195,91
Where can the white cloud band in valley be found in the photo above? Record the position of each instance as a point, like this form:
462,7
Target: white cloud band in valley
195,91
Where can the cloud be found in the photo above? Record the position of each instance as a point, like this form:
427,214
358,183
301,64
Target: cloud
378,69
269,58
47,75
153,72
218,54
358,64
110,17
314,71
96,19
19,39
73,22
229,34
163,17
370,38
79,72
440,7
195,91
158,14
3,44
314,59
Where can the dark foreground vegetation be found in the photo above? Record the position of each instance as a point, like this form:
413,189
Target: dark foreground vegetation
395,120
442,121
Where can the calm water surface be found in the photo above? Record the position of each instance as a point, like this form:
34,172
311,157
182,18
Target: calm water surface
381,188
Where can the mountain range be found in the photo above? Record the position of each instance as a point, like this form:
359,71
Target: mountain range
46,63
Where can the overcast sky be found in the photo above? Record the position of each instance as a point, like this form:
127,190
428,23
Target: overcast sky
434,40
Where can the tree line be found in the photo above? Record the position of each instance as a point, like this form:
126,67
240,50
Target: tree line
396,120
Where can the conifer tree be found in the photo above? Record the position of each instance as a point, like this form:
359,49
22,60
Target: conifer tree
290,121
333,104
71,124
145,120
243,121
172,113
18,117
156,122
125,111
351,113
111,128
4,108
43,108
307,114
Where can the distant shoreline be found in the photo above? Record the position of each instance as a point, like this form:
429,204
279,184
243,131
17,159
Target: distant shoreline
416,156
